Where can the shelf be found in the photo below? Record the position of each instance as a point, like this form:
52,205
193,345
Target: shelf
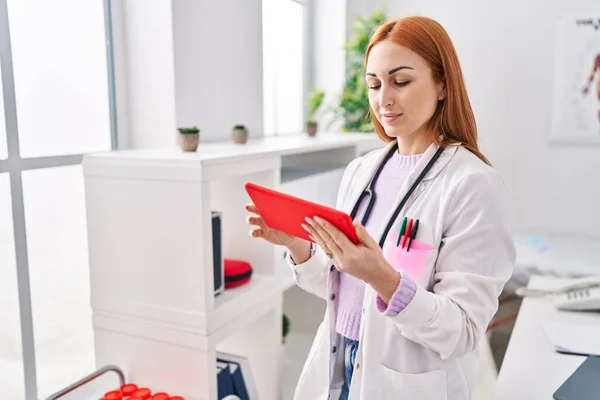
289,174
148,221
234,303
231,301
223,159
234,308
226,152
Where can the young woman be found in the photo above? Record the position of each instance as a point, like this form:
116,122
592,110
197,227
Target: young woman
405,316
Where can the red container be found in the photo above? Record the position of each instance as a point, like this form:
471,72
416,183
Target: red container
237,272
113,395
160,396
129,389
143,393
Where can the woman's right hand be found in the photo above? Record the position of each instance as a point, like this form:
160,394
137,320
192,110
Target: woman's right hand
299,248
261,230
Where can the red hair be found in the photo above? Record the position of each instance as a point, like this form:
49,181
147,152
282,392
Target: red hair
453,118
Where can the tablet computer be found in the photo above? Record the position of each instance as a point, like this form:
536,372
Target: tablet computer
286,213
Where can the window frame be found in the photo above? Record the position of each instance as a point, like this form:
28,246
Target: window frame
15,165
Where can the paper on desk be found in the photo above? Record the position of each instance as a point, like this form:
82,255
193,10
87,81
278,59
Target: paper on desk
574,339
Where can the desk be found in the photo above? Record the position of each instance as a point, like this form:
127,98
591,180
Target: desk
531,368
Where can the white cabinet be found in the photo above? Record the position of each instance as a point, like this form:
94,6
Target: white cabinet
149,220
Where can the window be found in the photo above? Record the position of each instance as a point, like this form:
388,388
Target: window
3,144
61,109
11,357
60,77
283,65
55,221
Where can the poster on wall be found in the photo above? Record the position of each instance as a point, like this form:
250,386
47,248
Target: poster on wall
576,111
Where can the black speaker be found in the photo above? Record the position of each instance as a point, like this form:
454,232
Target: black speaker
217,247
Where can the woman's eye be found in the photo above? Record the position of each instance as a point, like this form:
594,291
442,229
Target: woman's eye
374,87
402,83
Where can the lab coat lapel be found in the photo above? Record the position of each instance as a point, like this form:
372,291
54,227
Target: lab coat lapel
437,167
420,166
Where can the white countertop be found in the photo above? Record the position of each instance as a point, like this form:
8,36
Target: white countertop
531,368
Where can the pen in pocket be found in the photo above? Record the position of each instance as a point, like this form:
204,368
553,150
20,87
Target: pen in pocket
402,230
408,229
413,234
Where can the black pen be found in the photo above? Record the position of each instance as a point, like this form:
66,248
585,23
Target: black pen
413,234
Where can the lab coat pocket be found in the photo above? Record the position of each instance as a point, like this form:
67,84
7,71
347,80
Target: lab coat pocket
413,262
429,385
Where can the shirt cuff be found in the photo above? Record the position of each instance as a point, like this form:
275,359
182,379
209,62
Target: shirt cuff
400,299
313,249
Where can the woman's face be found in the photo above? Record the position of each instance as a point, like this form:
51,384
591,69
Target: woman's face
402,92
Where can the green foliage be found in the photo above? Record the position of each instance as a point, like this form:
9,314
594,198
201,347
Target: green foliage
353,105
239,126
315,99
188,130
286,326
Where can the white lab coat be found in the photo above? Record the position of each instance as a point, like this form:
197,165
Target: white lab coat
429,350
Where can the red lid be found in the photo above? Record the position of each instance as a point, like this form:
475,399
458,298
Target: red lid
114,395
143,393
134,398
176,398
235,267
128,389
160,396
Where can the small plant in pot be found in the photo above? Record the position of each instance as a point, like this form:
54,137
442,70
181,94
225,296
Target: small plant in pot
189,137
315,100
239,134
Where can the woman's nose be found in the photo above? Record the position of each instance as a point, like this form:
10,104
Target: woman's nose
386,99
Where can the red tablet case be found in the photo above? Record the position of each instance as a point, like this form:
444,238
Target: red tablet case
286,213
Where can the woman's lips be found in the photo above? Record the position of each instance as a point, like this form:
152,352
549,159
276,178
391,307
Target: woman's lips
389,118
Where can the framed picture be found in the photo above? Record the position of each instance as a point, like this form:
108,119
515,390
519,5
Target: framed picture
576,109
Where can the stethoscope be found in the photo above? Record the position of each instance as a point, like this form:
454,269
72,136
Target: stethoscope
370,194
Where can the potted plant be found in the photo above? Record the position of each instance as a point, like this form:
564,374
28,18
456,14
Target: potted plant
189,137
239,134
315,99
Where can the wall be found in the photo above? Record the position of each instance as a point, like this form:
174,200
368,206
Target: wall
218,65
188,62
507,53
149,72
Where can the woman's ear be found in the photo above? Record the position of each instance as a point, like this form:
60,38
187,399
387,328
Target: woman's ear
441,89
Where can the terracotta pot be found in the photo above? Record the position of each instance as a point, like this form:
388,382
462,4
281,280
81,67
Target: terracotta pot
311,128
189,141
239,136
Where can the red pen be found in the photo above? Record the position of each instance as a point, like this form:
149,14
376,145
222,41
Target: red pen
407,233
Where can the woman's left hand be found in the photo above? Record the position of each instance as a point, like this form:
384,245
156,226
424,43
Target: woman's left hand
364,260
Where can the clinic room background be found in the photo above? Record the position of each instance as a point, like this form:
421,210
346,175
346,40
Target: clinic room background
130,127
